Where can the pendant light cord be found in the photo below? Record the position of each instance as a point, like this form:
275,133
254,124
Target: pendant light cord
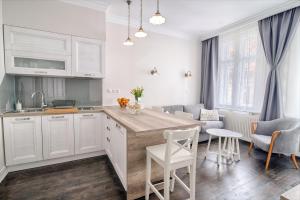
141,13
128,2
157,6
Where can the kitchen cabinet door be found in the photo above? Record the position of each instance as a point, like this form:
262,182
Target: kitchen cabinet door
29,40
119,152
58,136
37,53
23,139
88,132
87,57
107,130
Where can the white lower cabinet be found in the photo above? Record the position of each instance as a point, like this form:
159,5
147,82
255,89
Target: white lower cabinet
116,147
23,139
58,136
107,129
88,132
119,152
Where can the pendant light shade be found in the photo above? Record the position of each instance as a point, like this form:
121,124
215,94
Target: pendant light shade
128,41
157,18
141,33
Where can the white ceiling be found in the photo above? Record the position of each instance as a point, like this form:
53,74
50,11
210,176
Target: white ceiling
192,18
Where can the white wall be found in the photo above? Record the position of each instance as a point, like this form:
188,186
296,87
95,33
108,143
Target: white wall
128,67
55,16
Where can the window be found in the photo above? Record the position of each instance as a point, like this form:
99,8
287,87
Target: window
242,70
289,74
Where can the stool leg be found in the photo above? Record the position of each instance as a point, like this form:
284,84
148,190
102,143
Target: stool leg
232,149
148,177
208,146
224,144
193,183
238,149
220,151
173,180
166,183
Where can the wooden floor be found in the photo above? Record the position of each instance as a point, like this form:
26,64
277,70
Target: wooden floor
94,179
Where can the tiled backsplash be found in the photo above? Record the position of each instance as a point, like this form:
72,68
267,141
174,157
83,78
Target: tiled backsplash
86,92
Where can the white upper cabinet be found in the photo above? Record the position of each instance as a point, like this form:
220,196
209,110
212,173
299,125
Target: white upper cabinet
58,136
23,139
87,57
32,52
23,39
88,132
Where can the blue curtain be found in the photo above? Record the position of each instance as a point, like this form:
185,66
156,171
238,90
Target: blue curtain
209,66
276,33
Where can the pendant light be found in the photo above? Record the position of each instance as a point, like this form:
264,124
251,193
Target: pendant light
141,33
128,41
157,18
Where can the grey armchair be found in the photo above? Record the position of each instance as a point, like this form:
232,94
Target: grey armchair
281,136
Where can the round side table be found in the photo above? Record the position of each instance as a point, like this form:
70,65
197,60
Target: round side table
230,147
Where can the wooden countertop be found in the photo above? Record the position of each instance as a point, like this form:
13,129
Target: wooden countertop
149,120
40,113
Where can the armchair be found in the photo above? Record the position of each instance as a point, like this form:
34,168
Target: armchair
281,136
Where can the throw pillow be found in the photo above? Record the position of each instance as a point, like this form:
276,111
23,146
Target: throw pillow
209,115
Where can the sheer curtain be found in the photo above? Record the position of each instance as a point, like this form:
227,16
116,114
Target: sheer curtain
242,70
290,78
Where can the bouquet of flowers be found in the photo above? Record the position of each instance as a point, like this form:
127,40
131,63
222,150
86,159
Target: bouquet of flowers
137,92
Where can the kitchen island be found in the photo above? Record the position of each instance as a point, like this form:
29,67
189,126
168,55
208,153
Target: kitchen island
142,130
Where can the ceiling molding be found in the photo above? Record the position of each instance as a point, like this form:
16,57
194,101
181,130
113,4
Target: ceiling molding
99,5
252,19
120,20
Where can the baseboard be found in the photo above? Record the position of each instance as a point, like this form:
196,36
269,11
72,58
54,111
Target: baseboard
53,161
3,173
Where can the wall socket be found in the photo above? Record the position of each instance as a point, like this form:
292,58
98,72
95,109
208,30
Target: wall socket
113,91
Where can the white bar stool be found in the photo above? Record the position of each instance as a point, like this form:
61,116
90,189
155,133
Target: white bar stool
172,156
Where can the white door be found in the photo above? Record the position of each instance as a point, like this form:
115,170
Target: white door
119,152
87,57
23,139
88,132
58,136
107,130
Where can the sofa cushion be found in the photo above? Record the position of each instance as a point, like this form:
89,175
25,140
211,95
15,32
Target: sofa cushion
194,109
171,109
261,141
211,124
209,115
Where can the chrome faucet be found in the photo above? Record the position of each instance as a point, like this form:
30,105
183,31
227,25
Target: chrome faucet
43,104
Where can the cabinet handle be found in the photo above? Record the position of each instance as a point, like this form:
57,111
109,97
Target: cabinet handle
108,128
108,140
22,119
89,74
58,117
118,126
88,115
107,117
40,72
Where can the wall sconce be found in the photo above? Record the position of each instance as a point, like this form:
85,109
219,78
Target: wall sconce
154,71
188,74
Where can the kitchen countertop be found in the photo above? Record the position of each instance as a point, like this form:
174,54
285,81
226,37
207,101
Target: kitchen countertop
148,120
38,113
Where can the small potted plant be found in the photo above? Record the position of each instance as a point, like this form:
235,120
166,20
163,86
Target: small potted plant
137,93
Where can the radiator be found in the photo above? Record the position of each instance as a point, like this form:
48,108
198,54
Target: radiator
239,122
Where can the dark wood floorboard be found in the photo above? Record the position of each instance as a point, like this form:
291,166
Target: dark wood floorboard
94,179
